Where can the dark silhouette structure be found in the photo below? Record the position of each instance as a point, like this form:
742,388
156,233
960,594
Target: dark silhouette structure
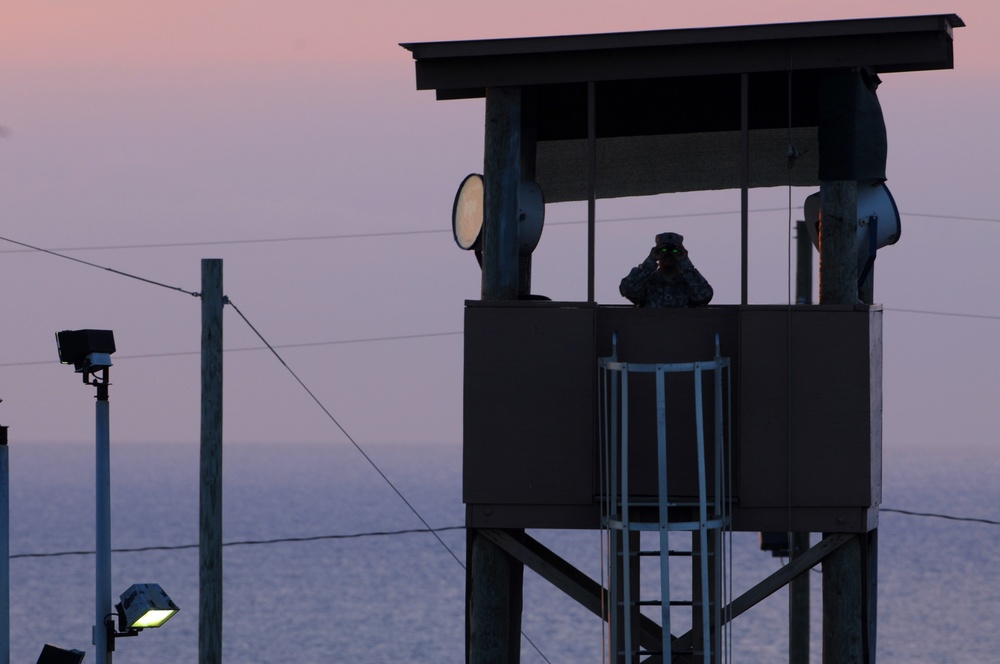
630,114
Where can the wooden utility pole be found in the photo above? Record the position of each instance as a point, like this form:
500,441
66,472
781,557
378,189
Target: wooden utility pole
210,539
494,582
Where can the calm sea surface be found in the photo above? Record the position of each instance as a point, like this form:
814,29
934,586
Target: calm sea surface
400,597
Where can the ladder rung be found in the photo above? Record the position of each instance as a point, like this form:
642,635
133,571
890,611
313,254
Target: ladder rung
670,552
643,653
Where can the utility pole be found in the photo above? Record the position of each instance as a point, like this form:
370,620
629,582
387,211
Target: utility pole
4,548
210,521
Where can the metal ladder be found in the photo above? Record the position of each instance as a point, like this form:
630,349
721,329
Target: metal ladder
626,516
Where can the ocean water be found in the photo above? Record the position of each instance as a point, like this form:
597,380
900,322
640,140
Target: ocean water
400,597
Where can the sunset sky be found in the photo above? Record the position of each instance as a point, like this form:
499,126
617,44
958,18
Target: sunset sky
289,140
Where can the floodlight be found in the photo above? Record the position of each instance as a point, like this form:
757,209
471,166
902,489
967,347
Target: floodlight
54,655
468,210
87,350
877,225
467,213
530,216
144,605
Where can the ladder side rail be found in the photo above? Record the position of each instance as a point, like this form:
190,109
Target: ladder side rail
721,497
613,452
726,614
607,412
613,510
661,451
626,562
702,517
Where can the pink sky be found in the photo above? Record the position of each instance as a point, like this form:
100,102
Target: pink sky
160,133
138,123
64,33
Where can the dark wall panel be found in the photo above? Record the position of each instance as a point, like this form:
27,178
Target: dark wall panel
529,404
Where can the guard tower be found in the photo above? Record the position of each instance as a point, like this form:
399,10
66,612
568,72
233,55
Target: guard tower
631,114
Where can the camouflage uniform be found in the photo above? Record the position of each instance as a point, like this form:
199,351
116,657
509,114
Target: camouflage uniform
646,286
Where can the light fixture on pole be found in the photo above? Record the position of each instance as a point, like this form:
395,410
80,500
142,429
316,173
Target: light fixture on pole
89,351
468,210
143,605
55,655
877,224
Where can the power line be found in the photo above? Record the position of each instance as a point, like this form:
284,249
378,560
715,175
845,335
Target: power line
949,517
276,540
174,245
424,335
409,531
311,344
380,234
942,313
353,236
952,216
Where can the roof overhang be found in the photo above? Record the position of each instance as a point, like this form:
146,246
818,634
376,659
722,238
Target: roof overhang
460,69
668,103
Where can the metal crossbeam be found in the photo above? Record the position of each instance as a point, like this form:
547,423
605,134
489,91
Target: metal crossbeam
564,576
773,583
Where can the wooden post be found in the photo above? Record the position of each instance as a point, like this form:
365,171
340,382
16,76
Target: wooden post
529,147
838,261
210,539
798,605
803,264
842,613
744,187
495,579
849,572
591,186
501,176
494,604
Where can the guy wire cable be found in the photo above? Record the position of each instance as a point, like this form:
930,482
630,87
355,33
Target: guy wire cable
226,300
312,395
390,533
333,419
